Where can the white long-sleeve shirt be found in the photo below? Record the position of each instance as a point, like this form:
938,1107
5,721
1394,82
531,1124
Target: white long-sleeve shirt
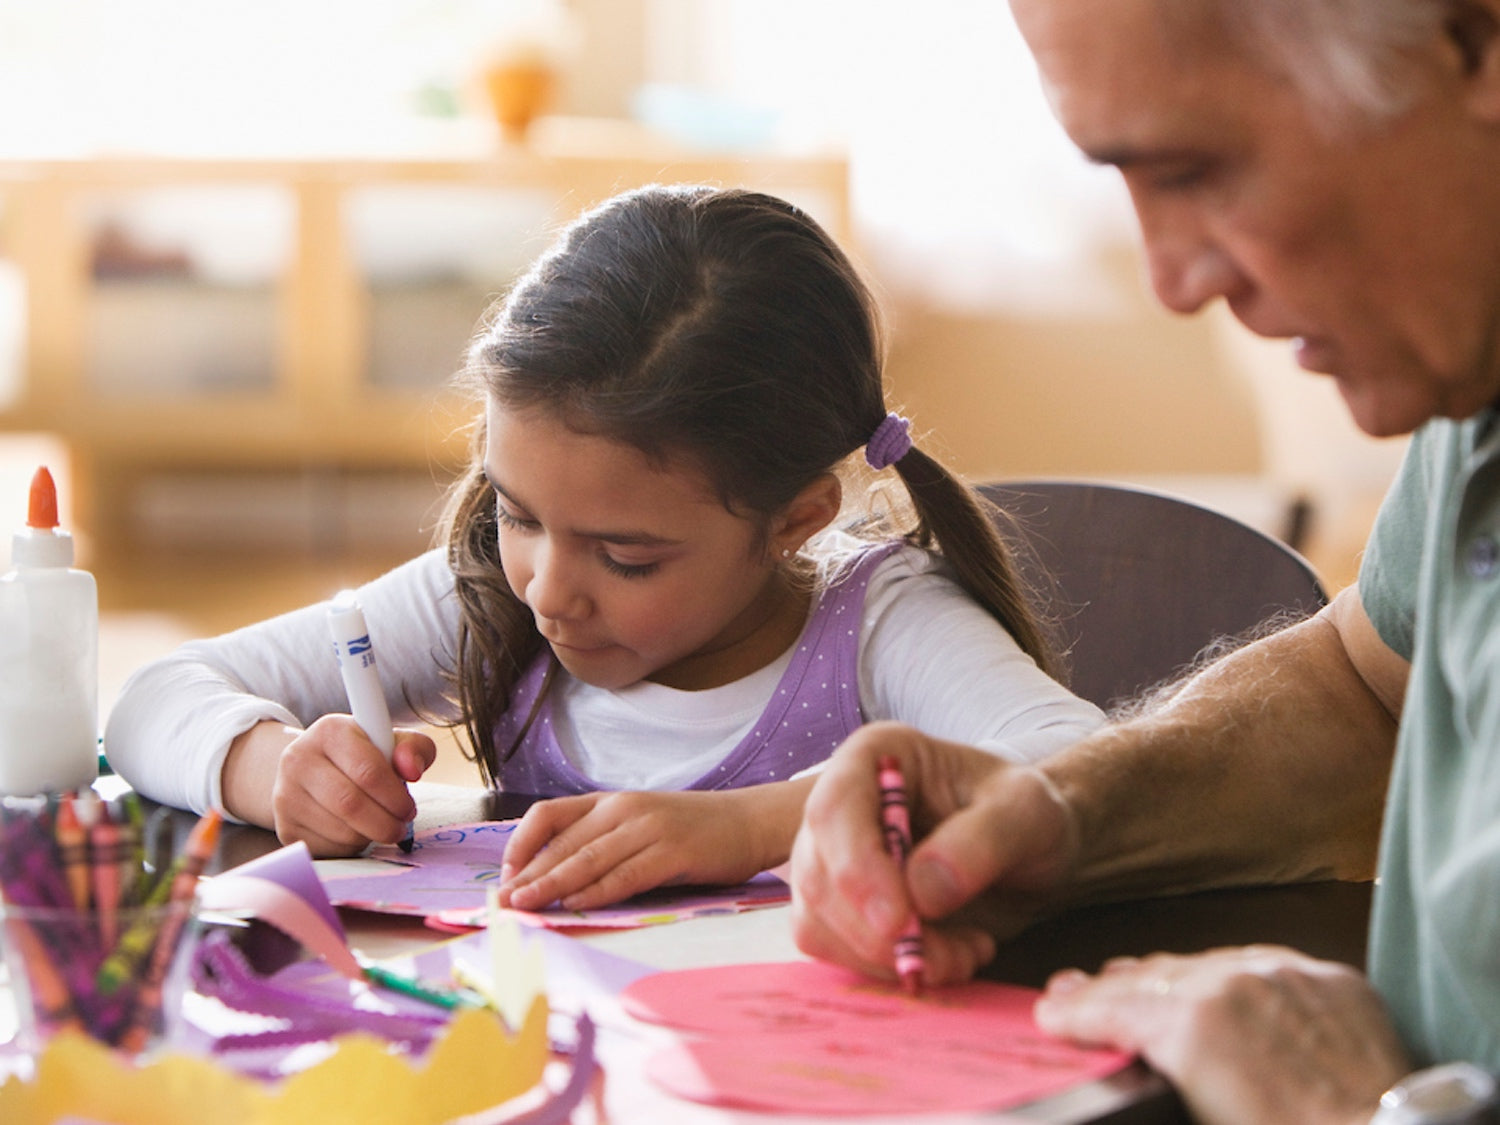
929,656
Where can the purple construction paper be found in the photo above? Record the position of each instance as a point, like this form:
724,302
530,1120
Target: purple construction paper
575,970
447,872
446,869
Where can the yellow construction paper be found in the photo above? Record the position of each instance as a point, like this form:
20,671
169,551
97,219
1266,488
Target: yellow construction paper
474,1065
516,969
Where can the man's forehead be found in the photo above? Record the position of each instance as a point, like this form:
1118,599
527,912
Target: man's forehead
1141,34
1116,72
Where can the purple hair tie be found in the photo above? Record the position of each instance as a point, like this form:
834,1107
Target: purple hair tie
890,442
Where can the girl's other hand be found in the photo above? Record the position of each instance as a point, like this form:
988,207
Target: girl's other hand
335,791
595,849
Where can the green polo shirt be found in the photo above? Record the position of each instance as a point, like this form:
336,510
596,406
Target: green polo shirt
1430,582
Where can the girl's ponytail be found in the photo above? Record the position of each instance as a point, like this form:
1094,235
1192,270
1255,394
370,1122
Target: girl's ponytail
959,523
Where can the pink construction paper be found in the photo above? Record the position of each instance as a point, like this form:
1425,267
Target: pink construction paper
812,1038
283,890
291,867
448,869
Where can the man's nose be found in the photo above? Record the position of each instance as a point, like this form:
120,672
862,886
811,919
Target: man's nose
1188,274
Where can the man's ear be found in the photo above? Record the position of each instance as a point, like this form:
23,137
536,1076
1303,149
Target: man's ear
1473,26
809,512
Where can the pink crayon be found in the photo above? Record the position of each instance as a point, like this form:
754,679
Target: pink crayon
896,822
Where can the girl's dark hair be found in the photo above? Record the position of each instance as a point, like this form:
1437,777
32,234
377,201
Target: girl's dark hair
720,326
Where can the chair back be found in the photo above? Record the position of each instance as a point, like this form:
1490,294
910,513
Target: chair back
1142,582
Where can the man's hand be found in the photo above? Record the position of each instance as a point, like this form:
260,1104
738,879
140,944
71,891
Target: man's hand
993,839
1261,1035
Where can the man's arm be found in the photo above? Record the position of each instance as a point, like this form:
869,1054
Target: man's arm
1270,765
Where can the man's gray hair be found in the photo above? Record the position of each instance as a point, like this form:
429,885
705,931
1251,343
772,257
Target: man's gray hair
1351,58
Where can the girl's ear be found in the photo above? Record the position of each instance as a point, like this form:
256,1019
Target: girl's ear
810,511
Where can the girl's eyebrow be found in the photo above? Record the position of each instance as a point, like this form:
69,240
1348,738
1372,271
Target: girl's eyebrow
620,538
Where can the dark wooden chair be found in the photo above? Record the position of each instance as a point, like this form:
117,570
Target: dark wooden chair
1141,582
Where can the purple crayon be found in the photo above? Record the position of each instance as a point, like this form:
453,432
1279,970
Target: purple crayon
896,823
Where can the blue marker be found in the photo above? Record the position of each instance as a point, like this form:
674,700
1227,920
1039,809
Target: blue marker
356,656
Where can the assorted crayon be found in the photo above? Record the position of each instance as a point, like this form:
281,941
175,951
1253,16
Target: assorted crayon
90,922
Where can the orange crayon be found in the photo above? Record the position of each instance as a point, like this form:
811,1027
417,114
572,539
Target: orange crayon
73,851
51,1001
196,854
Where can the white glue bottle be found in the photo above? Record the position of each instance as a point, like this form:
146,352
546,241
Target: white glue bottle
49,658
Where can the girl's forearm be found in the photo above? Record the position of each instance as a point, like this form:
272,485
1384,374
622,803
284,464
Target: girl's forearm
249,773
771,814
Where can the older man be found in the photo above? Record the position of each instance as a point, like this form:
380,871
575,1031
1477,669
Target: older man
1331,170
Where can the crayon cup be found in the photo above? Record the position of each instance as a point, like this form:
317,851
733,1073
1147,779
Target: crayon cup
52,957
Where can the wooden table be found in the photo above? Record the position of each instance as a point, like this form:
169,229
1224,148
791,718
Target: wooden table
1326,919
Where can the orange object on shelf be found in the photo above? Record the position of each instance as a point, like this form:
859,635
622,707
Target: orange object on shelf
518,91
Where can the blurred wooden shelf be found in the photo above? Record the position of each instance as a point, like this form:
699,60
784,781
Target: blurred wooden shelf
317,408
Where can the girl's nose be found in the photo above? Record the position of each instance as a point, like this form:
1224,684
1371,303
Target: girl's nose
553,590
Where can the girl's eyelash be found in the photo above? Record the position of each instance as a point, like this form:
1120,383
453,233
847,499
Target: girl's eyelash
507,520
614,566
630,570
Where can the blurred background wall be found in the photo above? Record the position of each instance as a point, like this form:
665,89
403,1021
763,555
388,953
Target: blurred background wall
242,248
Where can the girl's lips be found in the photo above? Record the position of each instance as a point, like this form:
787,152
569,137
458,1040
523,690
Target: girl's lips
574,648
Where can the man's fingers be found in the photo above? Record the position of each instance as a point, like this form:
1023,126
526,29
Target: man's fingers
844,911
1014,831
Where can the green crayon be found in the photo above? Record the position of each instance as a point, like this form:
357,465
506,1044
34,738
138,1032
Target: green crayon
446,998
178,885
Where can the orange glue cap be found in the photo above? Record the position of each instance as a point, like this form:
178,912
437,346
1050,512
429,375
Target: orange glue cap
41,512
41,543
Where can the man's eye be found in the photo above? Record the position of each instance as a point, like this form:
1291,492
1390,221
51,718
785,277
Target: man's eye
1181,177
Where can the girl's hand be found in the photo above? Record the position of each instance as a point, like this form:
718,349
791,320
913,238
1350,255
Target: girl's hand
335,791
332,787
599,848
1253,1036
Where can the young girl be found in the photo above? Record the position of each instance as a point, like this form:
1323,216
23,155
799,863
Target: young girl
641,610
